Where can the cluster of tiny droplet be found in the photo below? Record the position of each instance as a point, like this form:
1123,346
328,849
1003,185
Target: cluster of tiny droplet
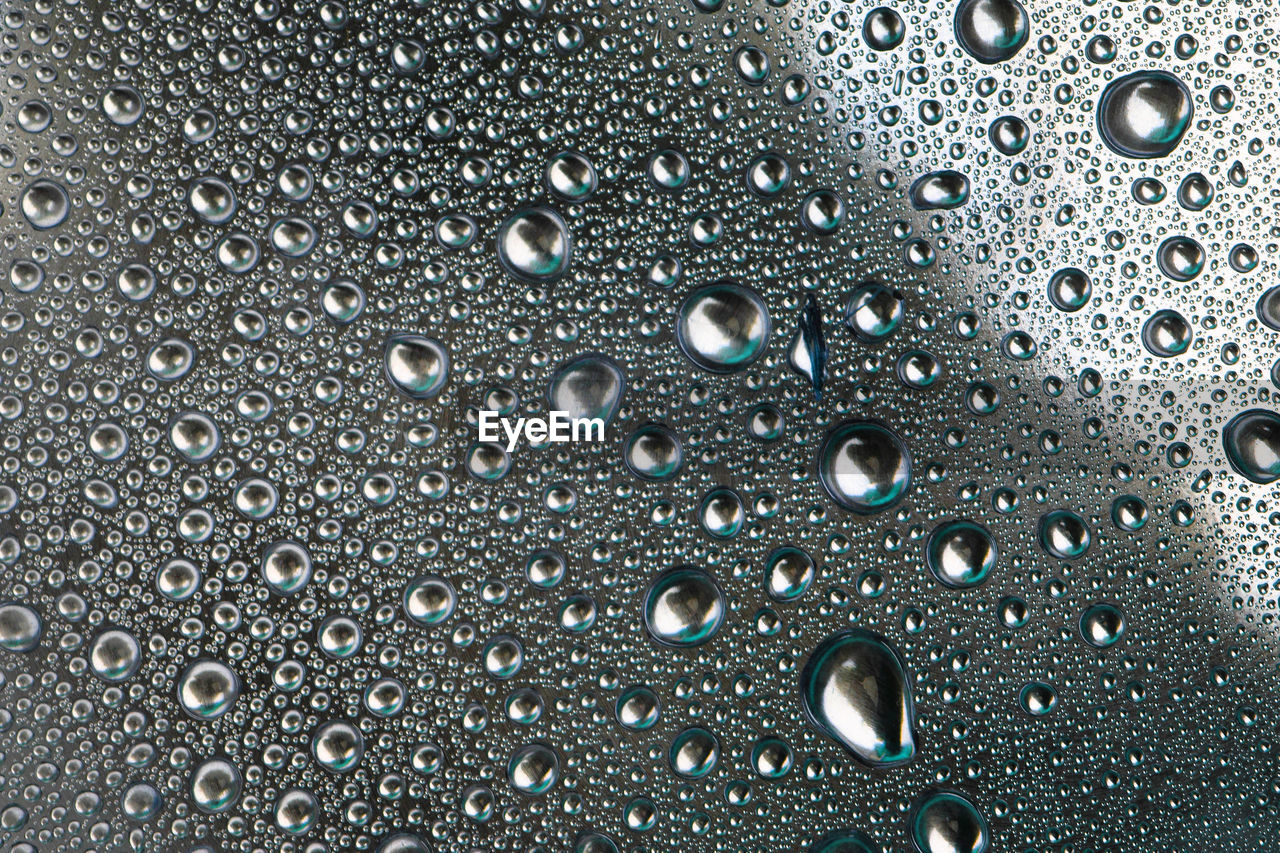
936,350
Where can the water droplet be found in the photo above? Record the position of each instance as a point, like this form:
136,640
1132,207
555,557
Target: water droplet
855,688
212,200
991,30
694,753
846,841
638,708
1180,258
115,655
338,746
1252,443
808,356
961,554
571,176
533,769
1038,698
864,466
945,190
286,567
534,245
195,436
1070,289
1064,534
684,607
1166,334
944,822
788,573
1144,114
654,453
208,689
589,386
45,205
874,311
20,628
883,29
429,600
1102,625
723,327
417,366
215,786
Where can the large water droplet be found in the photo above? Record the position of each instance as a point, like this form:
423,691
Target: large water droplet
684,607
1070,289
846,841
883,29
991,30
654,453
723,327
638,708
533,769
1180,258
45,204
195,436
571,176
286,567
403,842
208,689
961,554
417,366
429,600
1166,334
20,627
215,786
1252,442
115,655
212,200
1144,114
943,190
694,753
534,245
855,688
1102,625
874,311
122,105
864,466
338,746
788,573
589,386
1064,534
944,822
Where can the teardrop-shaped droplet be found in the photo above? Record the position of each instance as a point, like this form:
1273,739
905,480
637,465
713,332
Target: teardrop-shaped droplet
808,355
855,688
